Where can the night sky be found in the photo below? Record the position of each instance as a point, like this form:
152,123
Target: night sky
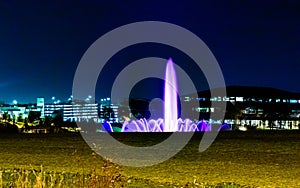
257,43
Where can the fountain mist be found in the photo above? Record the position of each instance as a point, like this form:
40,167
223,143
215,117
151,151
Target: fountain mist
170,98
171,122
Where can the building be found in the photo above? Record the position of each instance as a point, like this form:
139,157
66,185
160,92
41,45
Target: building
40,104
14,111
108,112
265,108
74,112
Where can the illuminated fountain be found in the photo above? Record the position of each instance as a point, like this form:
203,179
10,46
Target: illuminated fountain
171,122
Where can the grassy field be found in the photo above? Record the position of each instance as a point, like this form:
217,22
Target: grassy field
236,159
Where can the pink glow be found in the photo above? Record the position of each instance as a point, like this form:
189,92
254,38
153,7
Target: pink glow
171,122
170,98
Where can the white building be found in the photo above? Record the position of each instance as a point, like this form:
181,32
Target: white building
74,112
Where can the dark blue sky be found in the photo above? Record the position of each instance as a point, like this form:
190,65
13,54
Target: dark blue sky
256,43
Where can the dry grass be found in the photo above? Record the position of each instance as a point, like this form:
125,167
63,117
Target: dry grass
25,178
251,159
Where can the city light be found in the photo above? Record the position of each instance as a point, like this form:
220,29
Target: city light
15,102
251,109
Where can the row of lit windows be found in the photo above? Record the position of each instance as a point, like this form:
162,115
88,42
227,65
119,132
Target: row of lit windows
81,114
243,99
69,105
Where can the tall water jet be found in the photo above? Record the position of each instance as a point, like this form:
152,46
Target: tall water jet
170,98
170,122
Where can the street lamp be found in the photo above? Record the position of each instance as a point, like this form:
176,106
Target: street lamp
53,100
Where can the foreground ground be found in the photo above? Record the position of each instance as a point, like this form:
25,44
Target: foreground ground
254,159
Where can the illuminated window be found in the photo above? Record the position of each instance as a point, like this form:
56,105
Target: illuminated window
250,110
225,98
213,99
239,99
186,99
260,111
202,109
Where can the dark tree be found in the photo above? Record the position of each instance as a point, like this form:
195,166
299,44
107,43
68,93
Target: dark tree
140,108
107,113
58,117
14,119
33,116
5,116
124,110
48,120
26,124
20,118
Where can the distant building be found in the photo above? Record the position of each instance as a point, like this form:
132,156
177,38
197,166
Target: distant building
265,108
252,106
108,112
14,111
40,104
74,112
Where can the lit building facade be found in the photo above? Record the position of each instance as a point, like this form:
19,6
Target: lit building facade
74,112
109,112
264,108
40,104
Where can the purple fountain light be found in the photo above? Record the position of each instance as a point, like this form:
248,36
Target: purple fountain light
170,98
171,122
